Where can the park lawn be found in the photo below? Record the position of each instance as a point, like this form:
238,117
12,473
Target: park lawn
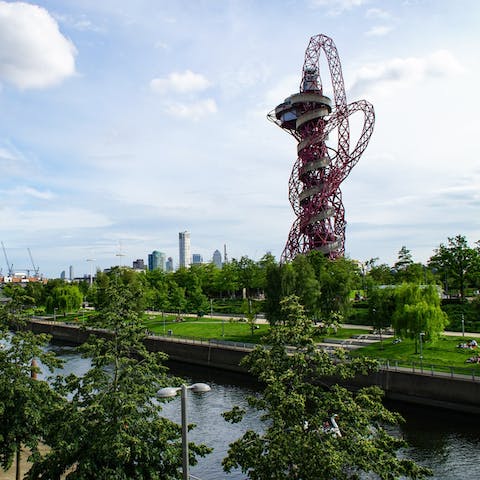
208,329
443,353
233,329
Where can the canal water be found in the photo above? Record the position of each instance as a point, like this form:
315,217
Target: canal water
447,442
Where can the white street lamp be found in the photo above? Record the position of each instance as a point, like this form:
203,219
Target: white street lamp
171,392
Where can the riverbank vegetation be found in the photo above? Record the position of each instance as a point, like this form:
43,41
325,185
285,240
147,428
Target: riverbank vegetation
311,430
104,424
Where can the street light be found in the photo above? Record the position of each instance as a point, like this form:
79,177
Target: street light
421,342
463,325
171,392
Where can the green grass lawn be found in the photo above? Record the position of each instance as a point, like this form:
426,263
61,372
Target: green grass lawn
207,329
443,353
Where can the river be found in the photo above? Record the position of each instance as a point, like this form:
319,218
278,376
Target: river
447,442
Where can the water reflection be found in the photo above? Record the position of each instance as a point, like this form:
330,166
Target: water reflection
445,441
448,442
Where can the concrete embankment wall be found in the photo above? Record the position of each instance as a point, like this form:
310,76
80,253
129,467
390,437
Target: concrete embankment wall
198,353
460,394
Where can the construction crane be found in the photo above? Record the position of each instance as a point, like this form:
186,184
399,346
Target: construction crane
35,268
10,267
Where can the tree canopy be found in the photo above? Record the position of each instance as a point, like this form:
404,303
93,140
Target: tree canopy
301,437
112,427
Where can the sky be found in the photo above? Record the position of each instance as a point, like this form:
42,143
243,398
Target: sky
124,123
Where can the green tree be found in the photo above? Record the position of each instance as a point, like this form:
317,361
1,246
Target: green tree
404,259
418,311
381,306
264,264
337,279
457,263
296,406
382,274
156,290
23,399
307,287
273,292
112,426
121,276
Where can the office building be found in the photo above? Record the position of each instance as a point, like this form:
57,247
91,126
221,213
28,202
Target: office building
185,258
197,259
71,276
169,264
156,261
217,259
138,264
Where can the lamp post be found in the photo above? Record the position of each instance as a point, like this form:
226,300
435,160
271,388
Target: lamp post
55,313
171,392
463,325
421,350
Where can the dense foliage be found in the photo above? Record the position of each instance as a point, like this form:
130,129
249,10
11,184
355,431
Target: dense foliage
105,424
300,439
112,425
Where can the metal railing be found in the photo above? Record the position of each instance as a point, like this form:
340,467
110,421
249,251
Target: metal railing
423,368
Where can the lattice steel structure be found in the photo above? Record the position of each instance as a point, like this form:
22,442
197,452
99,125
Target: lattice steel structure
314,186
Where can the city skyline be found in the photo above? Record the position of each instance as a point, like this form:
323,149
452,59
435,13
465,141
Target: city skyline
124,123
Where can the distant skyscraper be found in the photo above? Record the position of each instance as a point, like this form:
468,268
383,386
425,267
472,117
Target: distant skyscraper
217,259
169,264
184,249
70,273
197,259
62,275
156,260
138,264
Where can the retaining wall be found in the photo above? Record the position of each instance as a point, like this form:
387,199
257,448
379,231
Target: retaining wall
454,393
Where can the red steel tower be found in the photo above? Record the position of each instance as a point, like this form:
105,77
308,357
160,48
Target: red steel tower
314,185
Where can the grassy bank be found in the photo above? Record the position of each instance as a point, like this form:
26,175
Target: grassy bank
443,353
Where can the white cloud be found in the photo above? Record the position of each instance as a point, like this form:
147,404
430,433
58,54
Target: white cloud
162,46
336,7
377,13
81,23
194,110
24,191
12,161
379,31
186,82
53,220
33,52
404,72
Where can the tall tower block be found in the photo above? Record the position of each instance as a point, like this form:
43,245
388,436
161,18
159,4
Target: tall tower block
185,256
314,185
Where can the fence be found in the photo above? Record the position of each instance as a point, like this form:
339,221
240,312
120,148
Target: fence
465,373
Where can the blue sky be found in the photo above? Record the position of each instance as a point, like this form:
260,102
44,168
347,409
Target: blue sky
124,123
